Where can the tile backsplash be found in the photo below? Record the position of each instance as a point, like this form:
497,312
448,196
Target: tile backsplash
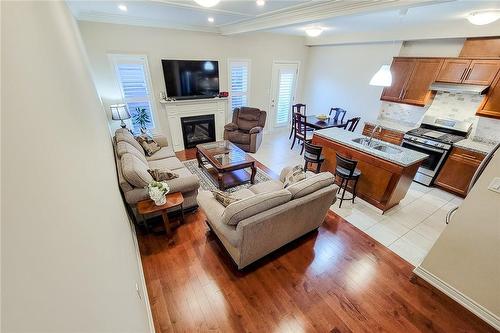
447,105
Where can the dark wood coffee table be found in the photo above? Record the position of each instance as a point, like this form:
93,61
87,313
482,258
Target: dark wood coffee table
226,163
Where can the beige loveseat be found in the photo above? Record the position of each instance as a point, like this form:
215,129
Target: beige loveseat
133,164
269,216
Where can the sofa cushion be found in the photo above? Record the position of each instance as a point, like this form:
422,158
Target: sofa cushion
311,184
121,135
243,193
253,205
135,171
164,152
238,137
266,187
123,147
171,163
186,181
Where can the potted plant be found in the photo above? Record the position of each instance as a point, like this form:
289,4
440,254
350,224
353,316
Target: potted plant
141,117
158,192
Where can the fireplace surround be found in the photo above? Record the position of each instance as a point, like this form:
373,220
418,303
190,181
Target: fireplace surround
198,129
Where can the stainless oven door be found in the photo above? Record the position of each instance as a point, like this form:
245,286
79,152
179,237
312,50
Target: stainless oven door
431,165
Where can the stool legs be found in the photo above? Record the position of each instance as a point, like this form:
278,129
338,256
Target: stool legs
343,188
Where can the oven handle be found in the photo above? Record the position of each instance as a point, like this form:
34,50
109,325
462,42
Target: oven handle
424,147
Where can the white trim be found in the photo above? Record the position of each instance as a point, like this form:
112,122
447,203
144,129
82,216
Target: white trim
249,83
459,297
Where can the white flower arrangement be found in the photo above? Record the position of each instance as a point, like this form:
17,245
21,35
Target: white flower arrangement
157,192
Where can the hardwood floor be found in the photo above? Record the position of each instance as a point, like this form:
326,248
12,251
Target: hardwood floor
337,279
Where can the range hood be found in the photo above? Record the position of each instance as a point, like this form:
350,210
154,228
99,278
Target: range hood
472,89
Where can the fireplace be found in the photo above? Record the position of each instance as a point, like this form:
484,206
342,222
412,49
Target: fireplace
198,129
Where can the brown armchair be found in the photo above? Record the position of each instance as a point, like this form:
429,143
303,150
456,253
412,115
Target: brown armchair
246,129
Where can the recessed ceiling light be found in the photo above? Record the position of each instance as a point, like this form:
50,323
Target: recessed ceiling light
207,3
314,31
123,8
211,19
483,17
261,2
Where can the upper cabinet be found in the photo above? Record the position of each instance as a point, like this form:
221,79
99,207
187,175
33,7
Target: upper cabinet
401,70
490,107
453,70
411,78
468,71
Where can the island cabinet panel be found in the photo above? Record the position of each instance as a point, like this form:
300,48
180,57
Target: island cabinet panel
401,70
456,173
386,135
417,89
453,70
382,183
490,107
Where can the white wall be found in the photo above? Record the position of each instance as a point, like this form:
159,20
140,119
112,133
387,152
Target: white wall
158,43
466,256
68,258
339,76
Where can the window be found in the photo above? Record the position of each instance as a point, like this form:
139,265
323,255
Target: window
239,75
133,75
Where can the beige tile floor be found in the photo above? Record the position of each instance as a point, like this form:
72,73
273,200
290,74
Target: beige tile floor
409,229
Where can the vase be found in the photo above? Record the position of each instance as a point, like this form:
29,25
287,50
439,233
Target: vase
161,201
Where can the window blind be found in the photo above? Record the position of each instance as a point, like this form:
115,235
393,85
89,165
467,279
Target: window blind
286,80
239,72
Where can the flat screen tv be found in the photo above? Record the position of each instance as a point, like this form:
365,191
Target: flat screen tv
190,79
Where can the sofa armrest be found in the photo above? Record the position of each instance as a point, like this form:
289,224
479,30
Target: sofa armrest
255,130
183,184
161,140
231,127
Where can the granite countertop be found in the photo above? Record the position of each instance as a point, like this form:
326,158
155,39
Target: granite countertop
392,125
475,145
405,157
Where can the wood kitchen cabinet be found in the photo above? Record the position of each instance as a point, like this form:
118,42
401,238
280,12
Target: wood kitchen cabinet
411,78
468,71
401,69
456,173
386,135
490,107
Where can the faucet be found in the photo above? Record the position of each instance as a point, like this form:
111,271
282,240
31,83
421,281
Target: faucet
377,128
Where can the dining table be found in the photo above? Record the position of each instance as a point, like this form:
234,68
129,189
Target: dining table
315,123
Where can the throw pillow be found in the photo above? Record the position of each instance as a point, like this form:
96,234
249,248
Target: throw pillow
296,174
149,145
161,175
225,199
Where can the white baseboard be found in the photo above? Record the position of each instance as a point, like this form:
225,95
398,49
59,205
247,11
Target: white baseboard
459,297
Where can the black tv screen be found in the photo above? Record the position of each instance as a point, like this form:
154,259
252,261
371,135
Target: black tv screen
186,79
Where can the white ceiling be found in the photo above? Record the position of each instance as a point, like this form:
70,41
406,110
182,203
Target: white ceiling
339,17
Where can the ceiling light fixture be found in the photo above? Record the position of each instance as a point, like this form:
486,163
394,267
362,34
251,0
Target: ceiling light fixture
211,19
483,17
261,2
383,77
207,3
314,32
123,8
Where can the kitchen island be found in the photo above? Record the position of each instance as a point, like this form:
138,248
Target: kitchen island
387,170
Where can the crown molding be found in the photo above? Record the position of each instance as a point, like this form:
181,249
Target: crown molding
311,12
138,21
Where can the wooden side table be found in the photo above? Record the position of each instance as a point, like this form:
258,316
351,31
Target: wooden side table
148,206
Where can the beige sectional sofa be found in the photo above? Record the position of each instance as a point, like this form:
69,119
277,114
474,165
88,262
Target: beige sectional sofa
133,164
269,216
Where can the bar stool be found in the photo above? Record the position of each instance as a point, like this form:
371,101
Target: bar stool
313,155
346,170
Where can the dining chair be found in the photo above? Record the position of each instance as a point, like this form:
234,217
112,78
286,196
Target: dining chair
313,155
300,131
338,113
296,108
351,124
346,170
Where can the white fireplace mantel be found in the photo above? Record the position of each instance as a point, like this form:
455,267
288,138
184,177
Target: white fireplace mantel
194,107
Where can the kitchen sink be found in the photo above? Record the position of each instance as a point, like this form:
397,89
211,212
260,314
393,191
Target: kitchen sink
377,146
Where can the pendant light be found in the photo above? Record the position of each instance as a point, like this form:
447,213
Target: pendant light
383,77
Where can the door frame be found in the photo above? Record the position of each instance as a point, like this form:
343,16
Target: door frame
273,128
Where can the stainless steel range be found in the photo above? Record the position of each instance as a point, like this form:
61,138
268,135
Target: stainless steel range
434,137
